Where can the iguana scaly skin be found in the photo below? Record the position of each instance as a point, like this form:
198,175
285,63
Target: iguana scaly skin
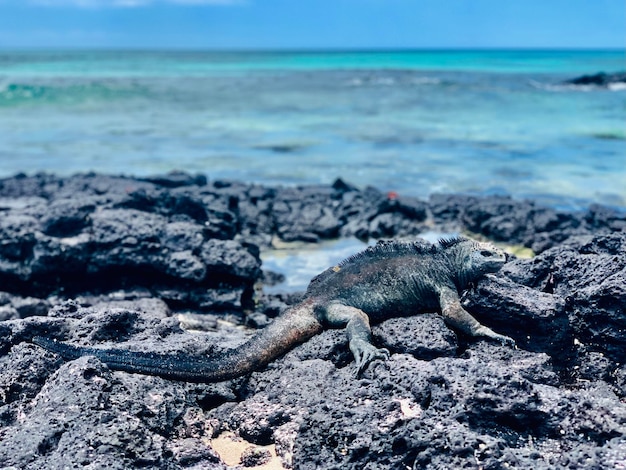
387,280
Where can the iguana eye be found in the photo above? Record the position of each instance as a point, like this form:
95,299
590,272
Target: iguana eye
486,253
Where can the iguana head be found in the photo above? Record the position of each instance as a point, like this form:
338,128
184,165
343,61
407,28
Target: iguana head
485,258
475,259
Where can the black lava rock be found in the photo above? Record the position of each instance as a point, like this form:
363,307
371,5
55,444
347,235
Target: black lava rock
598,79
119,262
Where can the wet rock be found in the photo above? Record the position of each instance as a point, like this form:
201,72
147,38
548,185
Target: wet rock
305,214
314,213
511,221
256,211
599,79
372,214
177,179
24,186
504,219
122,233
601,217
271,278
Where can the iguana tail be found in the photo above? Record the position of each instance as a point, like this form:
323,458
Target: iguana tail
296,326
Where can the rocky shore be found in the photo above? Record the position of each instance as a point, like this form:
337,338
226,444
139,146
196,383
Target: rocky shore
172,264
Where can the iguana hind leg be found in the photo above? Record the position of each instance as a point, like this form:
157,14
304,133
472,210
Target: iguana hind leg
357,325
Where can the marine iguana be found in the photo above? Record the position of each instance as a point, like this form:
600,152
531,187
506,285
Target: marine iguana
386,280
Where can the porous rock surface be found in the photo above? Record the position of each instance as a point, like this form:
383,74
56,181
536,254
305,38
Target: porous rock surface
117,261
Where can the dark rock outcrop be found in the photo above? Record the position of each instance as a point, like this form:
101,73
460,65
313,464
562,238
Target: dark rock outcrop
120,262
94,233
504,219
599,79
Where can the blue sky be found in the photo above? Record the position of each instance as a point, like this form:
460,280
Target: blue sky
313,24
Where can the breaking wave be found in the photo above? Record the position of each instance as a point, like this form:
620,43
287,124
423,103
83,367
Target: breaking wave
388,80
565,87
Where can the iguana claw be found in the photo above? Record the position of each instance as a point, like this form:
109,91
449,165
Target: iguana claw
365,353
489,333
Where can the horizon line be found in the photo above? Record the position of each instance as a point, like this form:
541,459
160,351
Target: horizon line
96,48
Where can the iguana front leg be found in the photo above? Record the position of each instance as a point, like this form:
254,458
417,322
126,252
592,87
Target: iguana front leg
455,315
359,333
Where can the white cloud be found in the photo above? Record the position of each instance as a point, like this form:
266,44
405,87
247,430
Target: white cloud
206,2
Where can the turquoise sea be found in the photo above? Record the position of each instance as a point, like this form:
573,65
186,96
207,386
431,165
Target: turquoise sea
415,122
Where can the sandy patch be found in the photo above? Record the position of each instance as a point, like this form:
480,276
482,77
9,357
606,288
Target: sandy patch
230,448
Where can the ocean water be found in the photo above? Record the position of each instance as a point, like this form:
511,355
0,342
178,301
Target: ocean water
414,122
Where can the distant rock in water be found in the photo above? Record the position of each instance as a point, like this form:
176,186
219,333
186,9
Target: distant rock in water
599,79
